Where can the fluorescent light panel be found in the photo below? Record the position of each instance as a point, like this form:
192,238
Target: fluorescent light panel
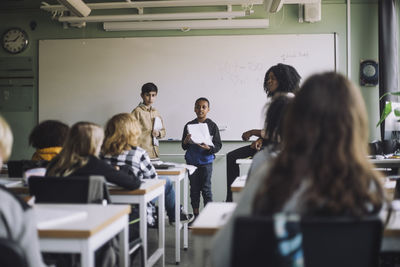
77,7
187,25
165,16
164,3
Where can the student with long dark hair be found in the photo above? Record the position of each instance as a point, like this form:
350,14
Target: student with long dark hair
279,79
322,169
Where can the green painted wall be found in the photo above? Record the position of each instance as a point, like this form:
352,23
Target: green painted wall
364,37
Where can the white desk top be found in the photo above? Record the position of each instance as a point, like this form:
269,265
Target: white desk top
11,182
98,217
146,186
239,183
379,161
244,161
171,171
212,217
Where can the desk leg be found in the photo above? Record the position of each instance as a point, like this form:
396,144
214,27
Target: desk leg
177,221
143,227
199,250
185,208
161,226
87,256
123,244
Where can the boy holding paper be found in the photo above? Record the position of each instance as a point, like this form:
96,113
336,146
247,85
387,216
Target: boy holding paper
201,140
151,124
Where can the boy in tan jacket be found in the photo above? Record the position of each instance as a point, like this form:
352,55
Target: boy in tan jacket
146,114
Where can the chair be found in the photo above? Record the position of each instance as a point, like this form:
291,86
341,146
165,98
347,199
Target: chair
12,255
328,242
16,168
60,190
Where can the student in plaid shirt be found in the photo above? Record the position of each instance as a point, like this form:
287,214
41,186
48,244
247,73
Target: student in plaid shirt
120,148
137,158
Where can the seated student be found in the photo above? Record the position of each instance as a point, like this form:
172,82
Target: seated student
120,148
279,79
322,168
273,131
79,157
17,221
48,138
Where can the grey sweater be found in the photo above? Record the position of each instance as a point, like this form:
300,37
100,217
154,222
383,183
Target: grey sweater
18,223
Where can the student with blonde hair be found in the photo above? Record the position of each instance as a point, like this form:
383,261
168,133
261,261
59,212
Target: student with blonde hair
120,147
17,220
79,157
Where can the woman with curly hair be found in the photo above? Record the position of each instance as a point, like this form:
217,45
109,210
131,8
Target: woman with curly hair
279,79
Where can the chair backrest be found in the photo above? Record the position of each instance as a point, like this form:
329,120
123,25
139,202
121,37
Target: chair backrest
328,242
12,255
16,168
91,189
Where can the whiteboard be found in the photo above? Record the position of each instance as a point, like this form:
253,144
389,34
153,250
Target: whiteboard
93,79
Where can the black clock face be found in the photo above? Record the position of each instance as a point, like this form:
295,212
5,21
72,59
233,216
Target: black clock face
369,73
15,40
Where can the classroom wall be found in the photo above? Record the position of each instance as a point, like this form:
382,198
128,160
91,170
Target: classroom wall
364,37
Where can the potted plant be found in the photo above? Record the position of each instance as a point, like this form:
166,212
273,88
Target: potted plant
388,108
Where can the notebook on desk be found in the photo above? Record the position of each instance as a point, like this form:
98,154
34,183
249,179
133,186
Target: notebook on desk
163,166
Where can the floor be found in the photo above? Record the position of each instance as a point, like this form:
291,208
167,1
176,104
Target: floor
186,255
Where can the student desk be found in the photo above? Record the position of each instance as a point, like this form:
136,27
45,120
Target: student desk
211,218
237,186
149,189
86,235
386,163
177,175
244,165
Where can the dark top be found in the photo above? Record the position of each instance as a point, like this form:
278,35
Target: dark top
195,155
96,166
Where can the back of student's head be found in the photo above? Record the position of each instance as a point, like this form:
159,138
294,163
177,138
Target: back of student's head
287,77
84,139
6,140
49,133
121,133
328,116
274,118
149,87
324,142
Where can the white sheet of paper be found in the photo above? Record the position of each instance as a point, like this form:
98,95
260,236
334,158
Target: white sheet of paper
200,133
157,126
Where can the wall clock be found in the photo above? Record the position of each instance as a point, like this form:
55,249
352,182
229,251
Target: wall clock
15,40
369,73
